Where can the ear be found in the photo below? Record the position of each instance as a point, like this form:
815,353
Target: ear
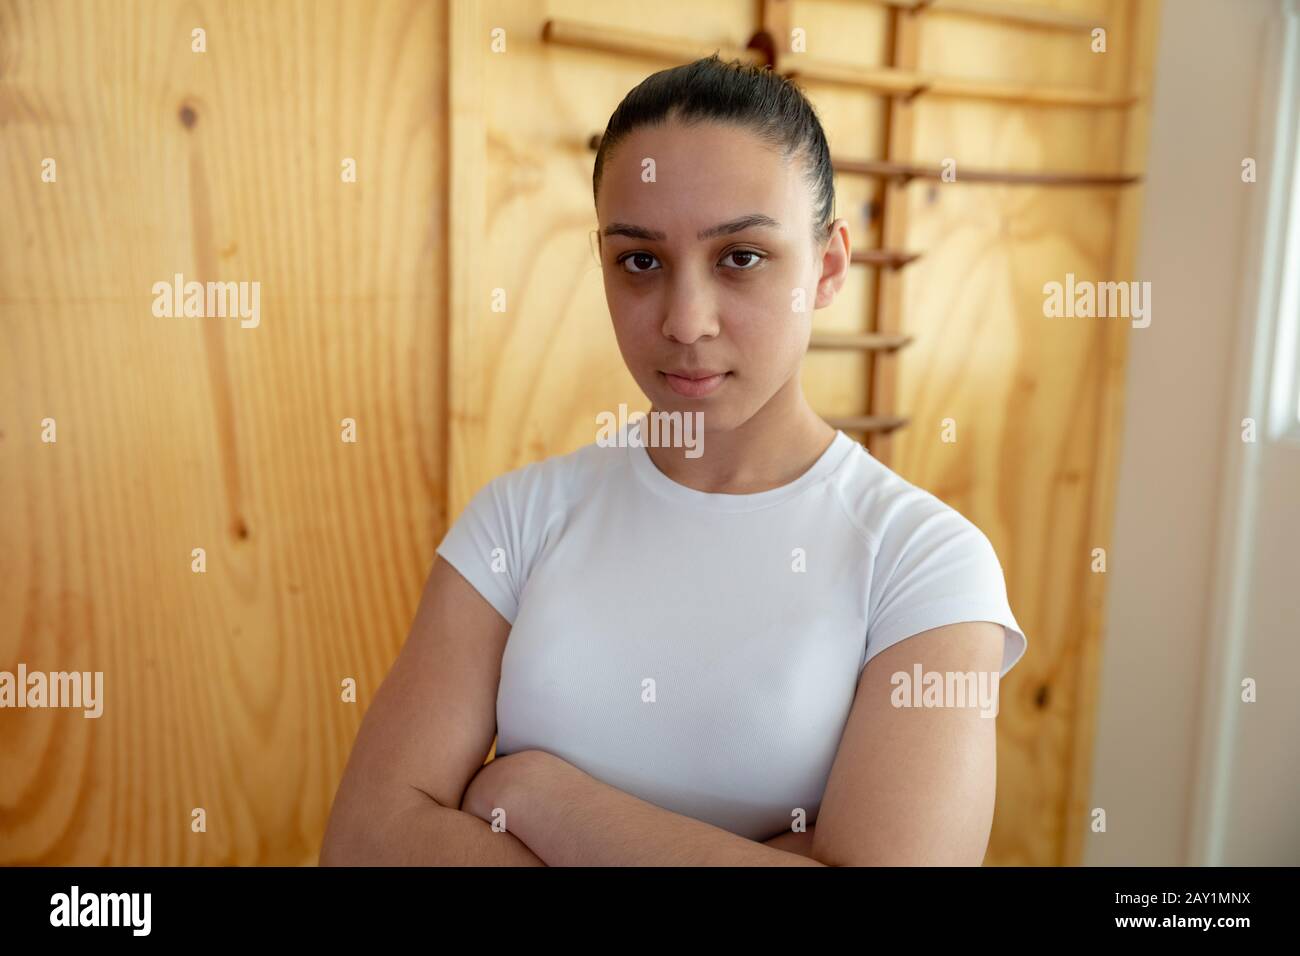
836,257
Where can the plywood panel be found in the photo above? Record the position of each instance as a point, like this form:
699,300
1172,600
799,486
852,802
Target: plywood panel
222,689
1030,395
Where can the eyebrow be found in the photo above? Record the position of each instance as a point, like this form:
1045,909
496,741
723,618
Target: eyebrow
756,219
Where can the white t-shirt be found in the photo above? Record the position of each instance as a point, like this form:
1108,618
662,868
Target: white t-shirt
701,651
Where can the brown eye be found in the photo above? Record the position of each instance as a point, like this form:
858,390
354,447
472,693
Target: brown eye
749,256
642,259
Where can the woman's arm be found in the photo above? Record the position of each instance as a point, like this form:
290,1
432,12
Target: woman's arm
915,786
793,842
790,841
928,775
569,818
420,832
423,738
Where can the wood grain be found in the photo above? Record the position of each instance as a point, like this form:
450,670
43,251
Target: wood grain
223,689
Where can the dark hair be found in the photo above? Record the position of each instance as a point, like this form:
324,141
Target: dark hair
766,103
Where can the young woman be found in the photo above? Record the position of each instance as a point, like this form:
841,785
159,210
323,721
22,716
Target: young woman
719,655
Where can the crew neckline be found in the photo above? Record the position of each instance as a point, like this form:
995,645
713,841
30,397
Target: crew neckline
645,468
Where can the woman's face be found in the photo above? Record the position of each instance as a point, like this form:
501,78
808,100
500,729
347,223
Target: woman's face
710,266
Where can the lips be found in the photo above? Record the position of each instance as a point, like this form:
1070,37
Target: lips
695,383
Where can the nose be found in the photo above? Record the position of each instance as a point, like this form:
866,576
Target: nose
690,311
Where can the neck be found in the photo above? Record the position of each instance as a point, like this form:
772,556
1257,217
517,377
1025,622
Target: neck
776,445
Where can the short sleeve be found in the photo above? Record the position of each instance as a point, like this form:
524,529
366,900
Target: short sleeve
495,541
935,567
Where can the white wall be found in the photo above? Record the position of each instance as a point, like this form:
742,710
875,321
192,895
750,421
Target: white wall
1165,657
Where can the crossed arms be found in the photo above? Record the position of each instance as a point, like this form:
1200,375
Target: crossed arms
907,787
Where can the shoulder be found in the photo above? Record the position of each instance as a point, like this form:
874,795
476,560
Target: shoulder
548,486
895,515
497,539
931,565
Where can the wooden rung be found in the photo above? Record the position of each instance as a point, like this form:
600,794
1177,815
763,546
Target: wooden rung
888,80
864,341
908,171
878,79
890,258
1011,13
634,43
865,423
904,172
897,82
1027,95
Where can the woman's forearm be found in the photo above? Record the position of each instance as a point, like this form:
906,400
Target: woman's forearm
421,832
793,842
569,818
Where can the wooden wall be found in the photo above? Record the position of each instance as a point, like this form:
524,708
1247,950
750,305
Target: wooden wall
1036,399
222,689
473,174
